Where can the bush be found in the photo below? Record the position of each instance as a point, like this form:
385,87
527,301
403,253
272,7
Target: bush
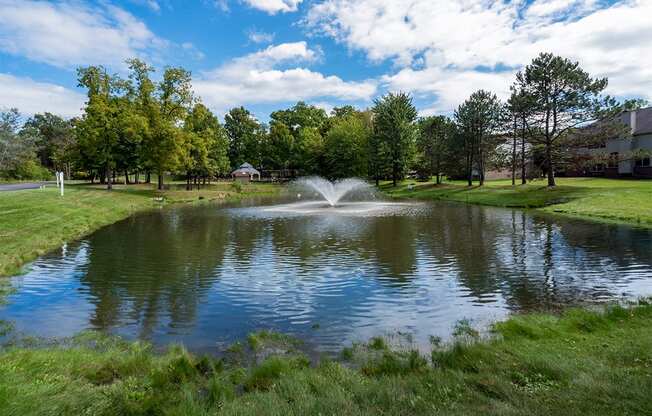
30,170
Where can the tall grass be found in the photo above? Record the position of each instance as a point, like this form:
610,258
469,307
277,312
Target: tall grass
581,363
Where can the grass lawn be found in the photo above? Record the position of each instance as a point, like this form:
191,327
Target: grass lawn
617,200
580,363
36,221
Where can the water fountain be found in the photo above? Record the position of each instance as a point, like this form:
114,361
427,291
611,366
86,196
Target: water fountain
350,197
333,192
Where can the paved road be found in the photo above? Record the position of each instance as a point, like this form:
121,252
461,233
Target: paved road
19,186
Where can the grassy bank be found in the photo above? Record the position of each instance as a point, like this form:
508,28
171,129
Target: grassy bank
617,200
36,221
582,363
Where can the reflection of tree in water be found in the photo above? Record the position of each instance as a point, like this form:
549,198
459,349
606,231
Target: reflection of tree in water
532,262
155,269
160,266
467,236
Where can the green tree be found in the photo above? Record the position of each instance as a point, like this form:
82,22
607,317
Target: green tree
97,130
434,143
562,97
55,142
279,146
394,116
245,136
206,146
164,147
300,116
345,147
479,118
309,151
302,121
18,147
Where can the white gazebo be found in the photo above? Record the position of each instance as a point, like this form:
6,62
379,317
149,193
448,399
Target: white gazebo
245,173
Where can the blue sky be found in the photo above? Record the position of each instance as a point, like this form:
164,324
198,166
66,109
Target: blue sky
267,54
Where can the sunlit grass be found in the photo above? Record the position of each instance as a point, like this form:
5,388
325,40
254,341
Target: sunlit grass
618,200
33,222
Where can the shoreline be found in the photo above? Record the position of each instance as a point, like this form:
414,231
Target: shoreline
536,363
30,230
576,198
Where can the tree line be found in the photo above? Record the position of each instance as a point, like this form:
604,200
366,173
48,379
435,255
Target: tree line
135,127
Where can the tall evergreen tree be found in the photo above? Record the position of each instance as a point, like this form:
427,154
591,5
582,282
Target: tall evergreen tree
562,97
394,129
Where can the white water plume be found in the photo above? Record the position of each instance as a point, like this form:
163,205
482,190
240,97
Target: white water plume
333,192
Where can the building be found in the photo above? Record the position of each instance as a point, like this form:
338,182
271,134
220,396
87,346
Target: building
245,173
626,156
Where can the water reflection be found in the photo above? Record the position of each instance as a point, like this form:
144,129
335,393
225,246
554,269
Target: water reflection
208,275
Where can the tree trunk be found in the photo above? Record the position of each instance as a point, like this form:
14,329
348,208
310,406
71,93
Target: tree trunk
469,164
160,180
514,154
523,170
109,175
148,177
551,169
126,177
136,177
188,188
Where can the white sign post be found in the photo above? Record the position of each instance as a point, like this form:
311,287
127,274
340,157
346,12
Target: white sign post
60,181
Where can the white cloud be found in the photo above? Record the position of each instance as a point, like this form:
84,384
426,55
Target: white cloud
67,34
449,87
31,97
274,75
447,49
150,4
274,6
257,36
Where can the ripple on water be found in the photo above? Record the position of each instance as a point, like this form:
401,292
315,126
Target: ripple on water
207,275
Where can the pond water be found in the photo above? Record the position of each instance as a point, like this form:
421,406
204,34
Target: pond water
208,275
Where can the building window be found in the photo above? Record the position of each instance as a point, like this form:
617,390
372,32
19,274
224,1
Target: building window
613,160
643,162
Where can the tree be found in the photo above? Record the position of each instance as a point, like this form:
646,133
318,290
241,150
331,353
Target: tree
165,144
18,149
245,136
345,147
97,130
433,143
206,146
394,116
562,97
279,146
300,116
309,151
55,141
518,108
303,122
478,120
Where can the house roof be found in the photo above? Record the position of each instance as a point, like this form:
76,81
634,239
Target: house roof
643,121
245,169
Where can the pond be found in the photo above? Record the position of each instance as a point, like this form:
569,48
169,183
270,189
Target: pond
207,275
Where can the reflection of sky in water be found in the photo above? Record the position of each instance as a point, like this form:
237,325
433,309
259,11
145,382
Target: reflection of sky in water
206,276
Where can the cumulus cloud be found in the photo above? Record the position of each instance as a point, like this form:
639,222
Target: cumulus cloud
274,6
447,49
67,34
275,74
31,97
